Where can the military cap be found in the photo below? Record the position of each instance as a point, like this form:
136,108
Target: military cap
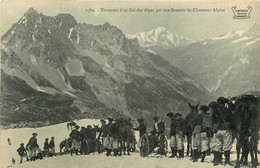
233,98
52,137
77,127
22,144
140,120
155,118
213,104
89,126
249,98
46,139
222,100
178,114
170,114
204,108
110,119
102,120
34,133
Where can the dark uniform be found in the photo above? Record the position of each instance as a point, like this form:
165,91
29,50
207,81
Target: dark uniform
173,138
180,129
141,129
114,137
76,140
155,130
46,147
52,147
105,128
33,147
22,153
221,118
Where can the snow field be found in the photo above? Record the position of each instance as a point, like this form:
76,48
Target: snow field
60,132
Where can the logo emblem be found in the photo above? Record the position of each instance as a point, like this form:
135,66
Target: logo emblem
241,13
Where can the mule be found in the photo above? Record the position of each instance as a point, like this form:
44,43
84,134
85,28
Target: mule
189,127
246,128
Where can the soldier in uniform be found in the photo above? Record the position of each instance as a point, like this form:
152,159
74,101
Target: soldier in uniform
33,146
141,129
22,153
173,140
82,132
76,138
87,131
105,128
52,147
46,147
205,131
180,129
222,120
155,131
114,137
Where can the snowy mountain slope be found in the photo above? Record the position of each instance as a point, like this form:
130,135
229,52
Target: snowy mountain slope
226,65
160,37
22,135
94,68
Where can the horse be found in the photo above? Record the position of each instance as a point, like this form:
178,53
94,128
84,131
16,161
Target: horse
246,128
188,124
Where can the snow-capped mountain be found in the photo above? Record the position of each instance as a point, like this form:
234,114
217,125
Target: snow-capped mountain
54,69
160,37
226,65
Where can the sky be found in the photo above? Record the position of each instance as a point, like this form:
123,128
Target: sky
194,25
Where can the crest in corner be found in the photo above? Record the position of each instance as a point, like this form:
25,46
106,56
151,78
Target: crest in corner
241,13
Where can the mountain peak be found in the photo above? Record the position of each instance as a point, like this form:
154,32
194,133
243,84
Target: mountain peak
160,29
31,11
159,36
106,24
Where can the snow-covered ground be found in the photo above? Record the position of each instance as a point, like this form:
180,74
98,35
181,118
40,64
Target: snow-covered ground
60,132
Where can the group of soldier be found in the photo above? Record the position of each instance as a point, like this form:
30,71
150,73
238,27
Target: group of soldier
34,151
77,137
208,128
211,130
49,147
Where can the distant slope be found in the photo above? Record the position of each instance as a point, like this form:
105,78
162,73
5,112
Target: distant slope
226,65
